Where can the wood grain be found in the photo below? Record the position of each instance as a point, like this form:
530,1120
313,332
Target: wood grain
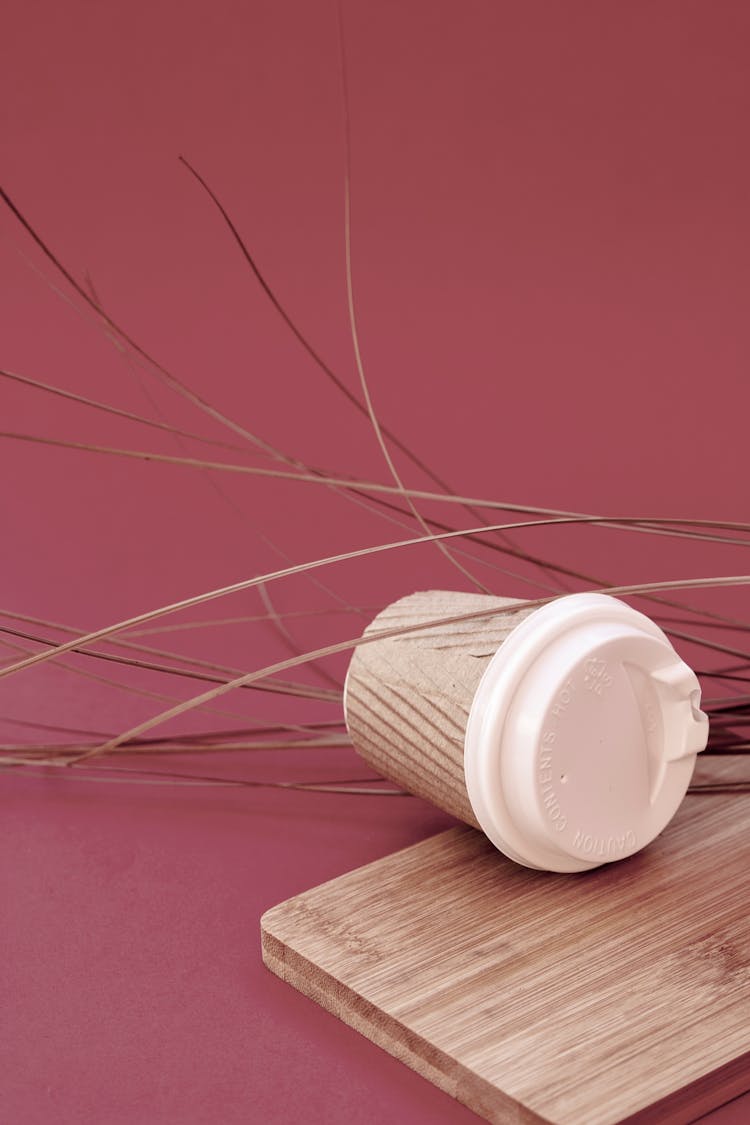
622,994
408,698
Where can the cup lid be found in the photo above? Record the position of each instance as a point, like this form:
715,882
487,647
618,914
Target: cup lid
582,735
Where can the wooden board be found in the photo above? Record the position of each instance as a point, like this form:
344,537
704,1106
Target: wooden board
577,999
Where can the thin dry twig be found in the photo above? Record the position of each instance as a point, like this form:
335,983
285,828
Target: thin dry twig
353,326
303,691
137,774
345,646
301,568
115,411
670,526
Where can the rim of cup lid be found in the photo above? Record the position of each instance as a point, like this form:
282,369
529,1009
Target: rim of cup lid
582,735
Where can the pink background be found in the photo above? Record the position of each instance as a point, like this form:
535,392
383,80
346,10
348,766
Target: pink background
551,266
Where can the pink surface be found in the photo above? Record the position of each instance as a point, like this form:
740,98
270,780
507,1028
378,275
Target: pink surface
551,264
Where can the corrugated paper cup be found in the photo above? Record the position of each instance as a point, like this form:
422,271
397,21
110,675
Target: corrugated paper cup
567,733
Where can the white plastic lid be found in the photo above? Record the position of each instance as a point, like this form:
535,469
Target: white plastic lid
582,735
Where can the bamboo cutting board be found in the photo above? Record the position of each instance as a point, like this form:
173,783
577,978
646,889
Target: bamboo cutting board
579,1000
